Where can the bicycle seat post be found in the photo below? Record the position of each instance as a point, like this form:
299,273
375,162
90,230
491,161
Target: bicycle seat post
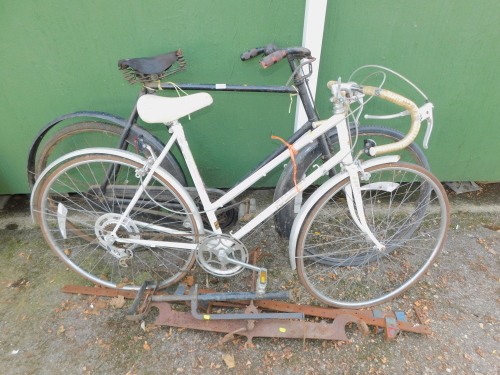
131,120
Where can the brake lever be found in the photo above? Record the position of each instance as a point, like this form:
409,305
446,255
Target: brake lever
425,113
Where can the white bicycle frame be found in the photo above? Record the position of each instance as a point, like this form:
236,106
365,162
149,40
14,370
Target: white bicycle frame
344,156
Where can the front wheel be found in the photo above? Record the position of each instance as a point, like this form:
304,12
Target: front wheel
80,206
406,209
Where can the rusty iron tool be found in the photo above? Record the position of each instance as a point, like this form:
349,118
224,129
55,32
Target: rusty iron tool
215,296
261,328
391,329
256,255
253,316
194,297
134,312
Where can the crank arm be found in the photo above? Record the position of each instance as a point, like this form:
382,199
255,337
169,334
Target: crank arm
261,282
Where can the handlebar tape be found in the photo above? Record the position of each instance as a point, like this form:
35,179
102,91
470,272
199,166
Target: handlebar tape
402,102
270,48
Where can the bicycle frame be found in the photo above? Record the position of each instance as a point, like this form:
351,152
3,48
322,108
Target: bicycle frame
319,128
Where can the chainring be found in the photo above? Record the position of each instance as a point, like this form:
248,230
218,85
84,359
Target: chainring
214,254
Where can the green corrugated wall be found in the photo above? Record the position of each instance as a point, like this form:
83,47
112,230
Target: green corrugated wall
60,57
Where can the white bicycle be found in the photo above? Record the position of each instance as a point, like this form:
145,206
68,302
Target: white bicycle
364,236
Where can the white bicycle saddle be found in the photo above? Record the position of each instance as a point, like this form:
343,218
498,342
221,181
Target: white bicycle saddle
153,108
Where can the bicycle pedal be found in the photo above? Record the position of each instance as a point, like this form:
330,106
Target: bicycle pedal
247,210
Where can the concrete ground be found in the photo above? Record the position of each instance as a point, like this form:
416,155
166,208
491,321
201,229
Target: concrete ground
45,331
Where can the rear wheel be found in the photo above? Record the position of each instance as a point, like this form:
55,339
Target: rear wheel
311,155
100,134
78,214
406,209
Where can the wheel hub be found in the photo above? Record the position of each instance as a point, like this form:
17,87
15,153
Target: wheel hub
104,227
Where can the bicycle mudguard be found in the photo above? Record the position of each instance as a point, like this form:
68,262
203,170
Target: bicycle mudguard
311,201
94,115
126,155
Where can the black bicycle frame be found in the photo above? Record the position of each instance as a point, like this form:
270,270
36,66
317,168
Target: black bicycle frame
300,88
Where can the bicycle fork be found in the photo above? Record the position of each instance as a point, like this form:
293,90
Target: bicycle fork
355,204
353,190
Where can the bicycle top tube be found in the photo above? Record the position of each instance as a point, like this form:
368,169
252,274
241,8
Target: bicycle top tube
221,87
149,71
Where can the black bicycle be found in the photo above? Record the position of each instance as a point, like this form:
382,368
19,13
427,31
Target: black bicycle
98,129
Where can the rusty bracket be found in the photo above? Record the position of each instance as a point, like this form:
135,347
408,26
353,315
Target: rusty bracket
256,255
134,312
259,328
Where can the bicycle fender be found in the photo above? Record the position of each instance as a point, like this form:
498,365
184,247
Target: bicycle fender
42,133
311,201
151,139
126,155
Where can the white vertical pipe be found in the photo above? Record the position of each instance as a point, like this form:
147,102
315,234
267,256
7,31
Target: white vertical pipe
312,38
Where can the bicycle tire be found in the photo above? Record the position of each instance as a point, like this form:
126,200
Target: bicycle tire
76,216
101,134
311,155
411,221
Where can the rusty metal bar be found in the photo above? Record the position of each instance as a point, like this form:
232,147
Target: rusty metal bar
98,291
330,313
